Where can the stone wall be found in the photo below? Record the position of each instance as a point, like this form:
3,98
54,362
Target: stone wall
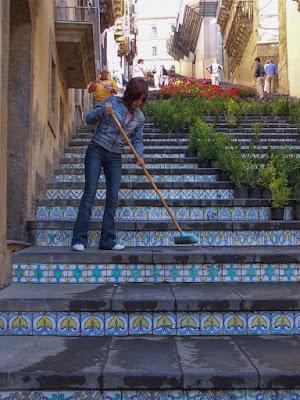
4,38
283,60
41,109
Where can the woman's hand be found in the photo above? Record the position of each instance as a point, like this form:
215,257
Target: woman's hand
141,162
108,109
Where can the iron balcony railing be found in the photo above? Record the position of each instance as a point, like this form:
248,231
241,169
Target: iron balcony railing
240,31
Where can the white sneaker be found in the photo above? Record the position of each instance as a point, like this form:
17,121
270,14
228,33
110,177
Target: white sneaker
78,247
118,246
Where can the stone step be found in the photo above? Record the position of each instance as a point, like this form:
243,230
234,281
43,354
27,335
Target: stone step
161,233
167,153
191,193
178,142
151,310
158,177
145,185
147,149
158,264
133,164
149,160
155,156
136,364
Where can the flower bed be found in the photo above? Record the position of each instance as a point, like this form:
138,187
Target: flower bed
185,87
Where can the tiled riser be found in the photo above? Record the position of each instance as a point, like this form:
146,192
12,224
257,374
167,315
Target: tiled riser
146,194
150,323
52,237
154,273
133,165
142,178
154,395
146,213
183,148
159,155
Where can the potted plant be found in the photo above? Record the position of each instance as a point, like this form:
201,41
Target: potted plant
266,174
256,129
280,197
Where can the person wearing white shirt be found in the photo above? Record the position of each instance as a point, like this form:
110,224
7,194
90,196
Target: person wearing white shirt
215,69
139,70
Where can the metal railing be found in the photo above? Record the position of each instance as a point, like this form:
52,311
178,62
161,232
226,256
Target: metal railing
84,14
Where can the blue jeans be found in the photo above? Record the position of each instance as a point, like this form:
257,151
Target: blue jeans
97,158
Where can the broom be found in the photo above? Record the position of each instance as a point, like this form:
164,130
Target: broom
182,238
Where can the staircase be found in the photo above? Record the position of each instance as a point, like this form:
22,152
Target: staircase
157,321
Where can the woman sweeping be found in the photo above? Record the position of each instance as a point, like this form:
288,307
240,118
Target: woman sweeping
104,151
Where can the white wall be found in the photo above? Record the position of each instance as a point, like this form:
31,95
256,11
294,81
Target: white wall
162,15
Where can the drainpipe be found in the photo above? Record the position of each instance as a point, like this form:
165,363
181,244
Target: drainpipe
99,61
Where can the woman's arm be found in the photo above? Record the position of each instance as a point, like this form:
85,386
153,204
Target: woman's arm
137,139
92,117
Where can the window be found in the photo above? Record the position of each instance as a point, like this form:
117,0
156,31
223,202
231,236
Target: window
154,51
154,31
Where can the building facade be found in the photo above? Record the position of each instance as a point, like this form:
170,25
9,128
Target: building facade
49,50
156,20
264,29
197,39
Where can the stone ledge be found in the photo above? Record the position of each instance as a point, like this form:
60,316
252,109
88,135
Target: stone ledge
169,226
147,297
149,363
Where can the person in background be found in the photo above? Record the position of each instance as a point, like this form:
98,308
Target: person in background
215,69
259,74
139,70
155,77
163,76
105,152
104,87
270,76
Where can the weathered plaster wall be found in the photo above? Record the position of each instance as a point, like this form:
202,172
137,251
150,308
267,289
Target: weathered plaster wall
293,48
4,37
38,132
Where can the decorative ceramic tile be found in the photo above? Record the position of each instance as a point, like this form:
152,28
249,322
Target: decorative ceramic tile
174,273
235,323
4,323
289,273
188,324
25,395
164,324
282,323
92,324
211,323
232,273
297,323
140,324
117,273
68,324
44,324
20,323
259,323
270,272
116,324
155,273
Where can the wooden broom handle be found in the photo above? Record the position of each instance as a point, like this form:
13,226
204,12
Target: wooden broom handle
153,184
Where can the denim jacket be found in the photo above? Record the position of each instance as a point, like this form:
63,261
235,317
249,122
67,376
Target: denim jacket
107,133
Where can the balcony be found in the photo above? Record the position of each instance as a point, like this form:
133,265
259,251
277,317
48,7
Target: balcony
298,1
184,40
110,11
240,31
77,44
224,14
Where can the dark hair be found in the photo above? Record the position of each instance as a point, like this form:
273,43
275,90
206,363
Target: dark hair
135,89
140,60
257,59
